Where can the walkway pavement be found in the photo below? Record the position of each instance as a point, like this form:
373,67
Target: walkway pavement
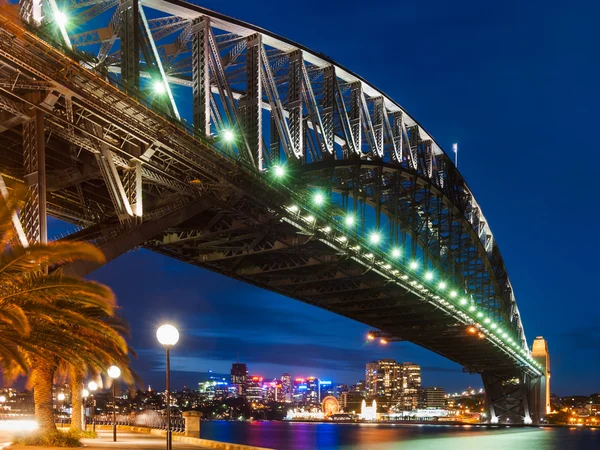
127,440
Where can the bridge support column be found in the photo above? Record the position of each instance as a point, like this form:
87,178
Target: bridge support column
540,353
33,215
511,398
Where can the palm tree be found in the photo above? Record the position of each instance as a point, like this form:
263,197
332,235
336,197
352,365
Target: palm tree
98,361
47,319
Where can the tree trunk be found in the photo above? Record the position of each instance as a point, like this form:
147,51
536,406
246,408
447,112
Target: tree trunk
42,378
76,401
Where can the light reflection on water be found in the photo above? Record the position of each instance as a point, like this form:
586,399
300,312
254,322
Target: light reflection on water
324,436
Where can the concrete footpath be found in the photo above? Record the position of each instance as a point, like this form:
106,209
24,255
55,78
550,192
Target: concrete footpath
130,439
127,440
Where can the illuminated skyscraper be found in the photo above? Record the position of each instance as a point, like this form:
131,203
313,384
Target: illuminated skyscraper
383,379
411,382
239,378
286,383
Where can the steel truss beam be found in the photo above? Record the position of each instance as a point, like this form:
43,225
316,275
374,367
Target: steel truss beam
33,214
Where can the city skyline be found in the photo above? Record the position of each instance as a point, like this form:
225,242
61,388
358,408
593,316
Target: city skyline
470,101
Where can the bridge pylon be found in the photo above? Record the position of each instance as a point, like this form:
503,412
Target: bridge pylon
519,398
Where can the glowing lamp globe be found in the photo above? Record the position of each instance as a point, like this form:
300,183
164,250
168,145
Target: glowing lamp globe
2,398
318,199
61,18
85,393
279,171
349,220
60,397
167,335
92,386
159,87
228,135
114,372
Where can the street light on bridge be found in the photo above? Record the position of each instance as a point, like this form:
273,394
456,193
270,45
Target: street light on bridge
228,136
319,199
61,18
279,171
159,87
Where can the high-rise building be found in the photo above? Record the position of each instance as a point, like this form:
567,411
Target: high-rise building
239,378
312,390
299,390
411,382
254,388
383,379
326,388
432,397
286,384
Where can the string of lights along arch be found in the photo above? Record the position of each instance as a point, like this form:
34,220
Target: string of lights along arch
218,143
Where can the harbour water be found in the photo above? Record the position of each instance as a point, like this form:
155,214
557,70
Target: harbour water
325,436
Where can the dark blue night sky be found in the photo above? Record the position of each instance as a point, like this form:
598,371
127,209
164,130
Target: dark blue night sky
516,84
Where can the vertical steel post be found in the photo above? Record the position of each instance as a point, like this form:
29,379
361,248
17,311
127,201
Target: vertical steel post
93,414
201,75
130,45
250,104
356,114
114,389
34,167
168,399
294,103
328,106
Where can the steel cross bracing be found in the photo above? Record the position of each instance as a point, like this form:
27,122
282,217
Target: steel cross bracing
332,130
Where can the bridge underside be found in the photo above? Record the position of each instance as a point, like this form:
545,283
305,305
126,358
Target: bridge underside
100,159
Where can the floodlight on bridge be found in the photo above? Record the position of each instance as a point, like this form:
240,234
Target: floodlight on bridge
279,171
480,314
414,265
310,219
396,253
429,275
61,19
472,308
442,285
159,87
228,136
327,229
486,320
318,199
383,341
463,301
375,238
453,294
349,220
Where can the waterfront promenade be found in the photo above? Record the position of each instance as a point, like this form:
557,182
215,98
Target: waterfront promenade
132,440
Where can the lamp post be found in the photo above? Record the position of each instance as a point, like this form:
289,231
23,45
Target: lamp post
168,336
61,398
92,386
114,372
85,394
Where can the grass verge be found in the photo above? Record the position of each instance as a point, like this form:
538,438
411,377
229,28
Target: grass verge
48,439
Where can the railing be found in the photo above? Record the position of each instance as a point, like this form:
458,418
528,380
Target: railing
144,420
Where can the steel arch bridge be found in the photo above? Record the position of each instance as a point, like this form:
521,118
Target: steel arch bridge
292,174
